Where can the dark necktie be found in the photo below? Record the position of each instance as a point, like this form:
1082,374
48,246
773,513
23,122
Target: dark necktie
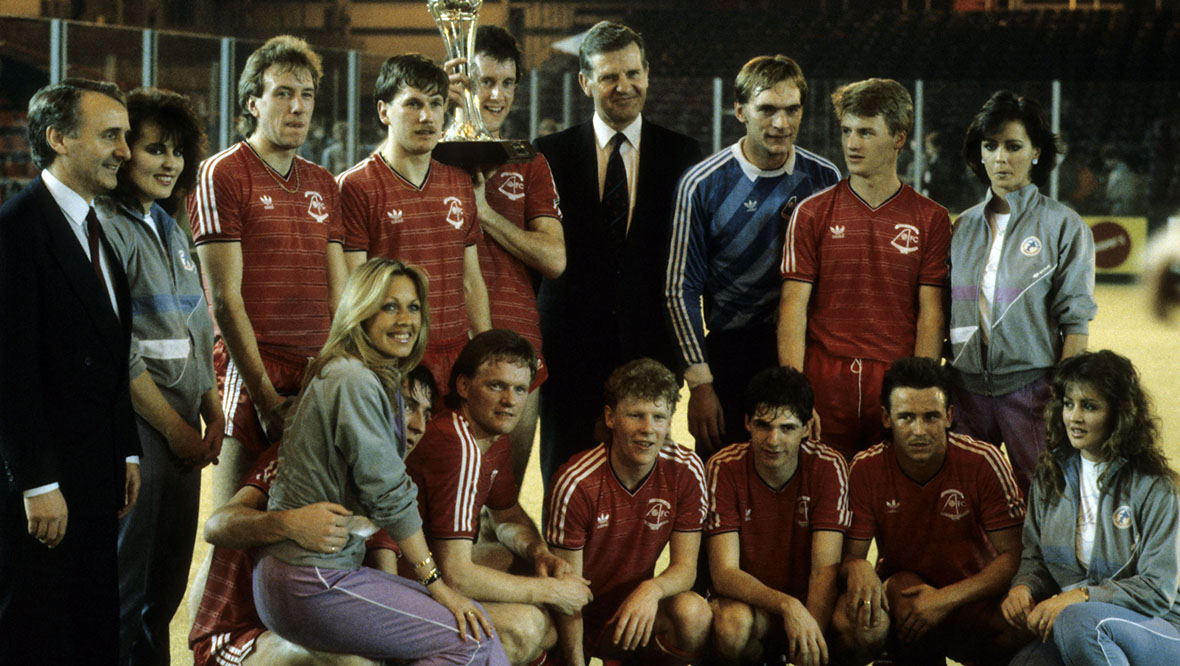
616,200
92,232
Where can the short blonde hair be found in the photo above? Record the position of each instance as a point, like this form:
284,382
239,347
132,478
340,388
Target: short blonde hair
877,97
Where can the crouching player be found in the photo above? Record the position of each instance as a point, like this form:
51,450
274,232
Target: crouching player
778,509
610,512
947,516
226,629
464,463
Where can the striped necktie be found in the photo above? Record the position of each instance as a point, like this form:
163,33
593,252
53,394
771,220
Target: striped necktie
92,234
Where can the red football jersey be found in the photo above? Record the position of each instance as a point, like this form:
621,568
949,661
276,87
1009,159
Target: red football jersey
429,226
621,532
519,192
775,527
284,226
937,530
455,480
227,607
865,266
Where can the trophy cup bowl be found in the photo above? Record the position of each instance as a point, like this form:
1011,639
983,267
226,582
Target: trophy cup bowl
468,143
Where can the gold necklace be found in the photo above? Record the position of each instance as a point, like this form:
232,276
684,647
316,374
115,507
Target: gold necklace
274,172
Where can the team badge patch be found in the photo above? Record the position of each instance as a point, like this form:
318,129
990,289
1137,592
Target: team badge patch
185,262
316,207
1031,246
803,511
454,211
953,505
659,512
512,186
1122,517
789,208
906,240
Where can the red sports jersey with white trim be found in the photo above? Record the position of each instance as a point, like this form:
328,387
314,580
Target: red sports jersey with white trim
865,266
284,226
620,532
775,527
227,607
937,530
455,480
387,216
519,192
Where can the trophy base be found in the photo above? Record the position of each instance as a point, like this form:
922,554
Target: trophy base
469,154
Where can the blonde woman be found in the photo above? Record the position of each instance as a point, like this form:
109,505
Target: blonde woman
345,445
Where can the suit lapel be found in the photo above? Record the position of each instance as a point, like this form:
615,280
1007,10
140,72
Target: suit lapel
64,247
589,167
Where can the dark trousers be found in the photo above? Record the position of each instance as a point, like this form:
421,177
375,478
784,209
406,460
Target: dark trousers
59,605
734,358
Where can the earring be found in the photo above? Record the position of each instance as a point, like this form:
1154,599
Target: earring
1034,160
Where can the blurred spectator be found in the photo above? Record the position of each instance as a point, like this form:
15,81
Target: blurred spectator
1123,187
335,158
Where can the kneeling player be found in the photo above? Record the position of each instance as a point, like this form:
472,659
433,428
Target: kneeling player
947,516
226,629
610,512
463,463
778,509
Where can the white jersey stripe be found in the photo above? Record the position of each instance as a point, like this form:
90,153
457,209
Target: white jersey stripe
563,489
789,261
681,229
207,217
470,461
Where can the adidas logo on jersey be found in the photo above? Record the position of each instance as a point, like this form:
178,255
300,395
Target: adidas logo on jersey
267,202
603,520
751,205
394,215
838,231
892,506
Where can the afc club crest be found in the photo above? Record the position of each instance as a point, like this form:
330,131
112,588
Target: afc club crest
316,207
512,186
1122,517
454,211
802,511
658,513
906,240
952,504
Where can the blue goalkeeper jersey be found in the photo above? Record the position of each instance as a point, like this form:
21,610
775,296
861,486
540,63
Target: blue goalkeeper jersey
727,240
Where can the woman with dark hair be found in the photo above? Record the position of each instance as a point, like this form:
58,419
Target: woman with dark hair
1022,283
346,445
172,384
1098,577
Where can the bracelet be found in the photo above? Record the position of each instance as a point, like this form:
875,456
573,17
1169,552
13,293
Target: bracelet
431,577
1086,592
429,560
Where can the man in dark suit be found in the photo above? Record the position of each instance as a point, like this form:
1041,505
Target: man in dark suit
68,443
616,176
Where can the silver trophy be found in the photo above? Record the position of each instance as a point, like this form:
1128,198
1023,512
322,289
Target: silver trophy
468,143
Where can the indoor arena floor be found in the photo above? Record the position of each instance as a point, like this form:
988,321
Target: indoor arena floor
1123,324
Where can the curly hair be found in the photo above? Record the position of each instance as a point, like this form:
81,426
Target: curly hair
1134,435
364,293
643,378
178,122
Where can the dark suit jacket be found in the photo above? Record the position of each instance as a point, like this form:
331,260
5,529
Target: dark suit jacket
65,406
605,308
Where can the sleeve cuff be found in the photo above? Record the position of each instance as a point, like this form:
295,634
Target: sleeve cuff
134,460
697,374
41,490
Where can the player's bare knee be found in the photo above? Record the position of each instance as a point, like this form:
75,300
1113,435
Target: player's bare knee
732,623
523,630
691,620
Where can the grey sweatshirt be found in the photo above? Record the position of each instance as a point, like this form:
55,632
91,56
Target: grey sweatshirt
345,445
